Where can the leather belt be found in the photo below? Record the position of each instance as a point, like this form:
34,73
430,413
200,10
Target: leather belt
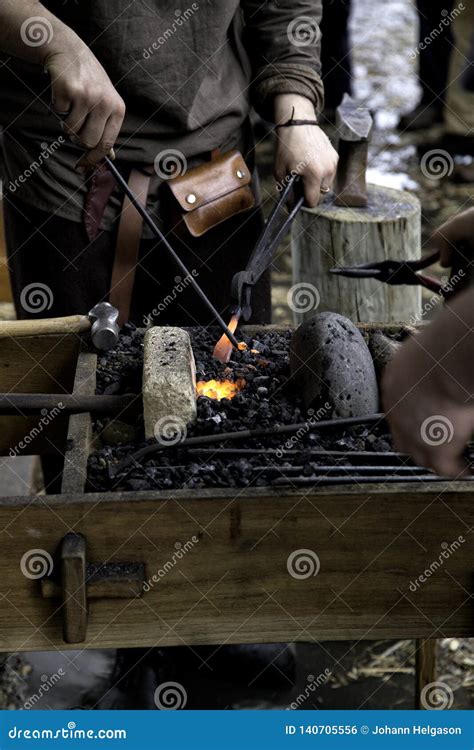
128,247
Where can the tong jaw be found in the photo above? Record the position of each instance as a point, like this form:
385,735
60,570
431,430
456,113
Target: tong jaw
241,292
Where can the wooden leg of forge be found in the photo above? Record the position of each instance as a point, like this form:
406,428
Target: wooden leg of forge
425,668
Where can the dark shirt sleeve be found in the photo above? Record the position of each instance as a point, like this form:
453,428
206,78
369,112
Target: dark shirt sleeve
283,41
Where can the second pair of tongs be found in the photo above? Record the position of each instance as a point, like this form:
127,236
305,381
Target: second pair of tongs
397,272
277,224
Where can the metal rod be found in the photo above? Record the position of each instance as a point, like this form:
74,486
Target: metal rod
159,235
285,429
383,479
67,403
331,469
368,455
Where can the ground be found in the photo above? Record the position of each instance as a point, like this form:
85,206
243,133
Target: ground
361,675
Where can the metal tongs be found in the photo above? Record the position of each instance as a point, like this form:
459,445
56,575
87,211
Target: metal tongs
396,272
277,224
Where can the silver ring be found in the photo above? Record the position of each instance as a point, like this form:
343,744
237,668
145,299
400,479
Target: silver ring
323,189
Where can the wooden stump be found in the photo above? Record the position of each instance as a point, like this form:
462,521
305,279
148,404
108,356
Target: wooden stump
329,235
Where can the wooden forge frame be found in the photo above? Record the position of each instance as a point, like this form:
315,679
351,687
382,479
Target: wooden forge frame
216,563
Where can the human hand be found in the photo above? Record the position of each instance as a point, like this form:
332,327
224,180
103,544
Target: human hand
82,88
303,149
459,230
428,391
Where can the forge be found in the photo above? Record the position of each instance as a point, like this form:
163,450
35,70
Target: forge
270,385
244,509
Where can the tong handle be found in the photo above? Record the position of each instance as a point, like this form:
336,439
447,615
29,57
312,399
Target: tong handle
276,226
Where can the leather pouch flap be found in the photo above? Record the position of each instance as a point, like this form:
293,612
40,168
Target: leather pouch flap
210,181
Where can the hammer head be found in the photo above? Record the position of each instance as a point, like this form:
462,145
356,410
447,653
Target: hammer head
354,125
104,326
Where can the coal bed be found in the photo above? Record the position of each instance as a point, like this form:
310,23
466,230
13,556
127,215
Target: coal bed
262,395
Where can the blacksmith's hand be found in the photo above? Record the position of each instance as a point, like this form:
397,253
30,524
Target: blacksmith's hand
428,390
303,149
82,88
455,236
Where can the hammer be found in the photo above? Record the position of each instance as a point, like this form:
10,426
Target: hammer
354,125
101,321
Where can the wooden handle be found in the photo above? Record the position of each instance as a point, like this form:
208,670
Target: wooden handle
70,324
73,579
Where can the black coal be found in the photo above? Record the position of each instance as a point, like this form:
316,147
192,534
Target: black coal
268,399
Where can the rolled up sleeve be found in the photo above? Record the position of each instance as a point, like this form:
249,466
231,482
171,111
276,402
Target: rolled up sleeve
283,41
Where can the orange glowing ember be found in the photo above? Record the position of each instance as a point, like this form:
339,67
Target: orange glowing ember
218,389
223,348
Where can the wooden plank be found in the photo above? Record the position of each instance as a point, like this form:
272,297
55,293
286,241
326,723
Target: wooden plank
217,565
425,671
40,364
79,440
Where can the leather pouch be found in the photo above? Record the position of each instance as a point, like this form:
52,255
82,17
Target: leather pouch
212,192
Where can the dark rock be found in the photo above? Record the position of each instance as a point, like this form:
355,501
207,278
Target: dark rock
382,349
332,367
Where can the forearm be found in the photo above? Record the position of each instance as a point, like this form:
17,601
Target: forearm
33,40
283,42
288,105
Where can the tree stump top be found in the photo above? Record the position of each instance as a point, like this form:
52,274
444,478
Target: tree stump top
385,204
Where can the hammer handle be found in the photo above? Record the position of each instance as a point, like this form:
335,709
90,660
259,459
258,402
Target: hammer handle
36,327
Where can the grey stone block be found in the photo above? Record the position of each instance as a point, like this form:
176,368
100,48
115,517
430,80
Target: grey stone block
169,384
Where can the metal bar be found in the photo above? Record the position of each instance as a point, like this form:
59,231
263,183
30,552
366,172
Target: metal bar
249,434
383,479
331,469
159,235
369,455
66,403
